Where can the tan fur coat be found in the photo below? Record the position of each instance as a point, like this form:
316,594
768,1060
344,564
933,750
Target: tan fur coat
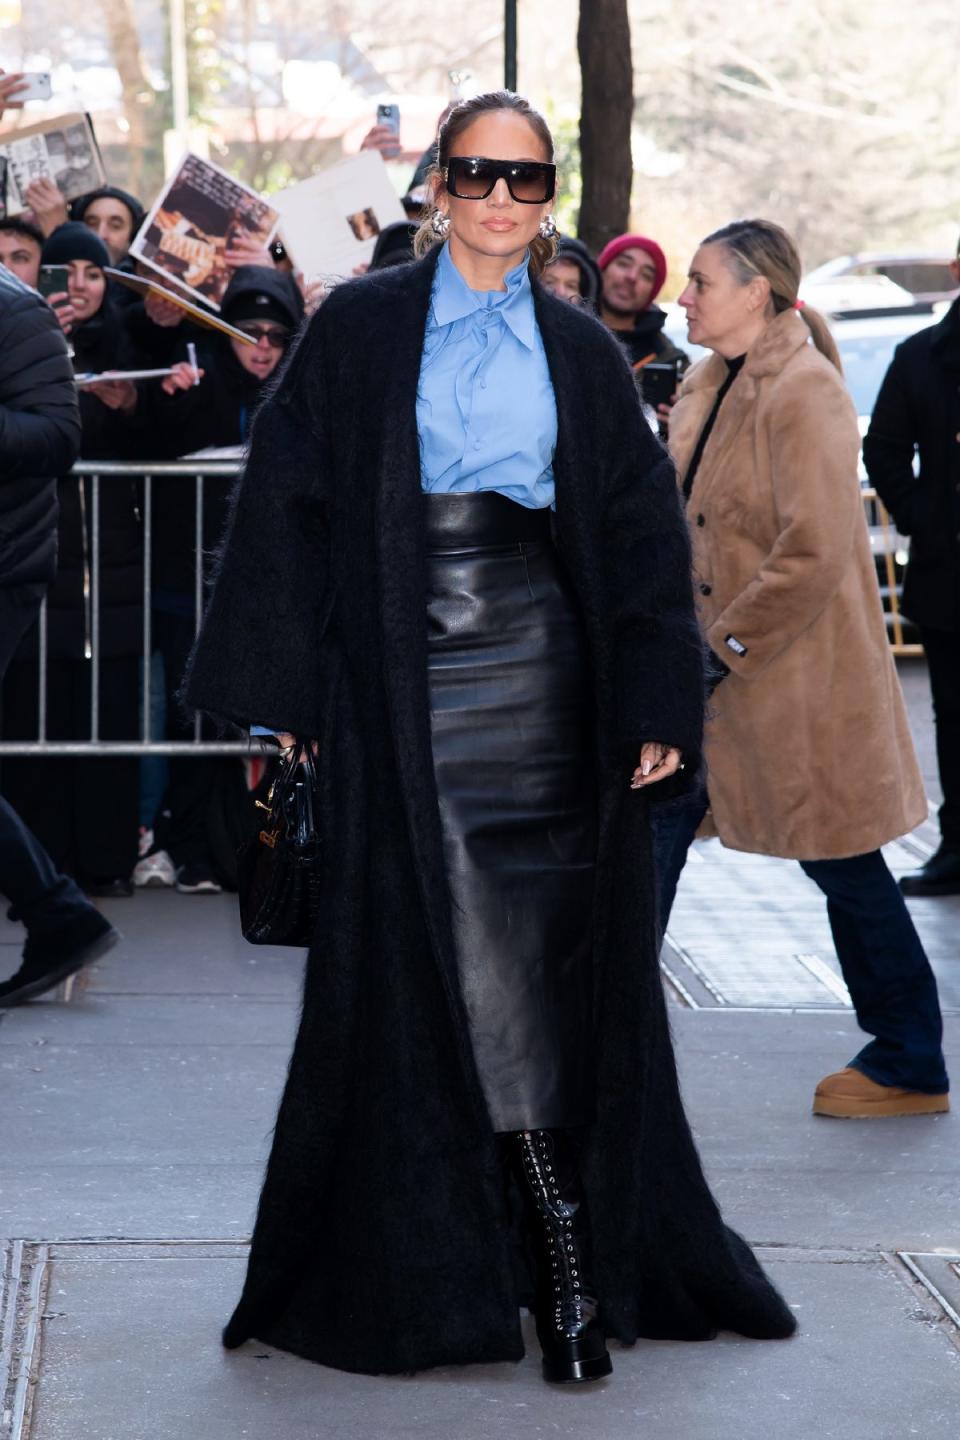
809,748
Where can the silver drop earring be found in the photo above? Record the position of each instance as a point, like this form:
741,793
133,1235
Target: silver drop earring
547,228
440,224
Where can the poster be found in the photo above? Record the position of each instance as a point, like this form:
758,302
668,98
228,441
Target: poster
199,214
330,222
63,148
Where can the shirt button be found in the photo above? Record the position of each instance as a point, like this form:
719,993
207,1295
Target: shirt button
706,589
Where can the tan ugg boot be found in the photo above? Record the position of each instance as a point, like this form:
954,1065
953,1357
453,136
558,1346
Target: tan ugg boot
849,1094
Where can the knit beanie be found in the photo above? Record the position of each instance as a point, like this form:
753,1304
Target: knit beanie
82,203
637,242
74,241
254,305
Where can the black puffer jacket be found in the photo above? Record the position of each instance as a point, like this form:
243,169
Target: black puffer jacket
39,432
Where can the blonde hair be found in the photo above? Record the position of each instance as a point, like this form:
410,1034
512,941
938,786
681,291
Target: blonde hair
460,118
758,247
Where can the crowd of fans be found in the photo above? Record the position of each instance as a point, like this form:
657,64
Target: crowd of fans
114,821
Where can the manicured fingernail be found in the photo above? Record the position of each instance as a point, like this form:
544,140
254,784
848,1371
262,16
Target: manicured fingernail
646,767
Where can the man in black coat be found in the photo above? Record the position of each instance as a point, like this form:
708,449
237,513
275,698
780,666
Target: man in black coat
39,440
918,413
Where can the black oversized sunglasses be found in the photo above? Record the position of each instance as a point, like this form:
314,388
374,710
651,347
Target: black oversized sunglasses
275,335
470,177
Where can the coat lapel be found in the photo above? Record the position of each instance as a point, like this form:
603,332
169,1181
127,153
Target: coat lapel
401,571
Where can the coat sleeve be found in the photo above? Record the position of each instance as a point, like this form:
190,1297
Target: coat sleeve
890,445
657,659
39,419
257,657
813,441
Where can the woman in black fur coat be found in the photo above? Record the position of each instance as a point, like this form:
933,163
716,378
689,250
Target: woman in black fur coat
483,1037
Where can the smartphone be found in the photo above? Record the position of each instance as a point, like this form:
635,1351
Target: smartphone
37,85
389,115
53,280
659,381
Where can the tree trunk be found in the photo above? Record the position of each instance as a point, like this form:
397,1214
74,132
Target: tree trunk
606,114
138,93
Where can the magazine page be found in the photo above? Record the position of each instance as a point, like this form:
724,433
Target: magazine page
330,222
197,217
63,148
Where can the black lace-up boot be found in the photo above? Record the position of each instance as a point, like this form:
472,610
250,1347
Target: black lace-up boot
572,1341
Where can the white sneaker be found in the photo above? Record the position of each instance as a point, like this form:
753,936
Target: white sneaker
155,871
144,842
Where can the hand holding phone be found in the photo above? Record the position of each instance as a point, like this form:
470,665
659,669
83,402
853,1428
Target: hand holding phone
388,117
658,382
34,85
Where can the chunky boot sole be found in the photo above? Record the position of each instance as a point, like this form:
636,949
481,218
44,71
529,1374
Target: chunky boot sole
568,1370
837,1107
50,979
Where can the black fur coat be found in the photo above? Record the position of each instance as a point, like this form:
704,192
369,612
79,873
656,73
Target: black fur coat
382,1241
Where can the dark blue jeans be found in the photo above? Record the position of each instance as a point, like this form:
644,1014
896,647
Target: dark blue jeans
40,896
884,964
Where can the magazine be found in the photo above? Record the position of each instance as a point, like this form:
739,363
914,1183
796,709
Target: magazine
105,376
197,313
199,213
330,222
63,148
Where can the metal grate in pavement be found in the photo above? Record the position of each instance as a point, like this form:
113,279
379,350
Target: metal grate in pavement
939,1274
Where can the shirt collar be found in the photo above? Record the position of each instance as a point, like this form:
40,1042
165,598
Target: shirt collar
454,300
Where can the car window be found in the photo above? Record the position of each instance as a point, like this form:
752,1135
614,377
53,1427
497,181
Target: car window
865,363
866,349
920,277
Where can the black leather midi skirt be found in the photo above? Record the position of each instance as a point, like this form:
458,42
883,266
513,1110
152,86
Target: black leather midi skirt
511,719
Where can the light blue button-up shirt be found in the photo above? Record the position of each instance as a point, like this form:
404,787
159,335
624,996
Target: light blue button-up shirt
486,411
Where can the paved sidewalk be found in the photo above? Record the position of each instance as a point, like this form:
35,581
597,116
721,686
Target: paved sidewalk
136,1115
135,1123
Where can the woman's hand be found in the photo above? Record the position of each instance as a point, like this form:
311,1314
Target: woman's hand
663,412
116,395
383,138
184,377
286,741
60,305
10,88
657,762
247,250
47,203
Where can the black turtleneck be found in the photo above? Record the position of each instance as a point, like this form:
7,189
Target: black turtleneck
733,370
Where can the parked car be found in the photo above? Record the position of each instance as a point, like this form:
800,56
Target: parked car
925,274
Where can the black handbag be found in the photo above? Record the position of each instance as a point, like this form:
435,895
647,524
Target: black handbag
279,868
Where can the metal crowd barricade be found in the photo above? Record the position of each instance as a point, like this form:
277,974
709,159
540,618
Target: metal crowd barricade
885,543
105,472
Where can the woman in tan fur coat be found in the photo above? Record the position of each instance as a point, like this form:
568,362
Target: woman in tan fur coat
809,752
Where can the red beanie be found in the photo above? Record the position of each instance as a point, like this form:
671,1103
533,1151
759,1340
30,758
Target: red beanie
637,242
